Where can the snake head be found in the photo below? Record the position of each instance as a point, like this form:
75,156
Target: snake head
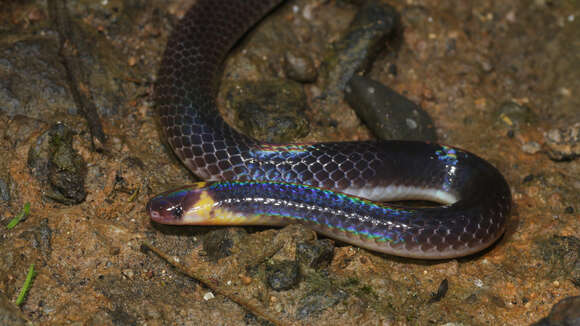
175,207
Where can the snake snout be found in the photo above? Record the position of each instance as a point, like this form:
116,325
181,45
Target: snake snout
162,210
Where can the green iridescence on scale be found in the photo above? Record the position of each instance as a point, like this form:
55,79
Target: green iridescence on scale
353,199
317,196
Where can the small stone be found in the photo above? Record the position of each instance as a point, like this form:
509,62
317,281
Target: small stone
55,162
531,147
218,244
514,115
246,280
528,178
316,302
563,143
315,254
208,296
299,67
282,275
128,273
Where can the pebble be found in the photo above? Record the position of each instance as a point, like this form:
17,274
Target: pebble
531,147
563,143
514,115
318,301
208,296
53,161
387,113
218,244
316,254
282,275
299,67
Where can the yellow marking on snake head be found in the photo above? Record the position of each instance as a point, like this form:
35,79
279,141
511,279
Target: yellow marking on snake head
206,211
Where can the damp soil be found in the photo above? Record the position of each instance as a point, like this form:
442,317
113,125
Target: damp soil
497,78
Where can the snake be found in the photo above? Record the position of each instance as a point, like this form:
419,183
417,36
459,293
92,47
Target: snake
338,189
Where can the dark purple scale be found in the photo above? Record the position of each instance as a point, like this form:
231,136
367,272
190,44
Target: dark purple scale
477,195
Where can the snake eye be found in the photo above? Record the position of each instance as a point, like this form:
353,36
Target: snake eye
177,211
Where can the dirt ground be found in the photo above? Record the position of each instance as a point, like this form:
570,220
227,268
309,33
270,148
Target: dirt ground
498,78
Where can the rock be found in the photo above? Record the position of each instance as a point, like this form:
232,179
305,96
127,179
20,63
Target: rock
299,67
365,37
282,275
318,301
387,113
531,147
316,254
54,162
564,143
218,244
514,115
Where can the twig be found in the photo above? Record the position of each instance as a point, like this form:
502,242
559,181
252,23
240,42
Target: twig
78,83
197,274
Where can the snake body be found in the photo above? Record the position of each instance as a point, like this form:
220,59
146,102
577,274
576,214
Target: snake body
318,184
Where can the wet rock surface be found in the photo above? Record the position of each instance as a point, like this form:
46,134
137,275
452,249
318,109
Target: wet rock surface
459,61
562,252
564,313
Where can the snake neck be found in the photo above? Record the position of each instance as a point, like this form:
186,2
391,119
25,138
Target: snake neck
188,80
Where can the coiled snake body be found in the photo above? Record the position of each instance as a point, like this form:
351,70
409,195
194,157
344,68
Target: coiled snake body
318,184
